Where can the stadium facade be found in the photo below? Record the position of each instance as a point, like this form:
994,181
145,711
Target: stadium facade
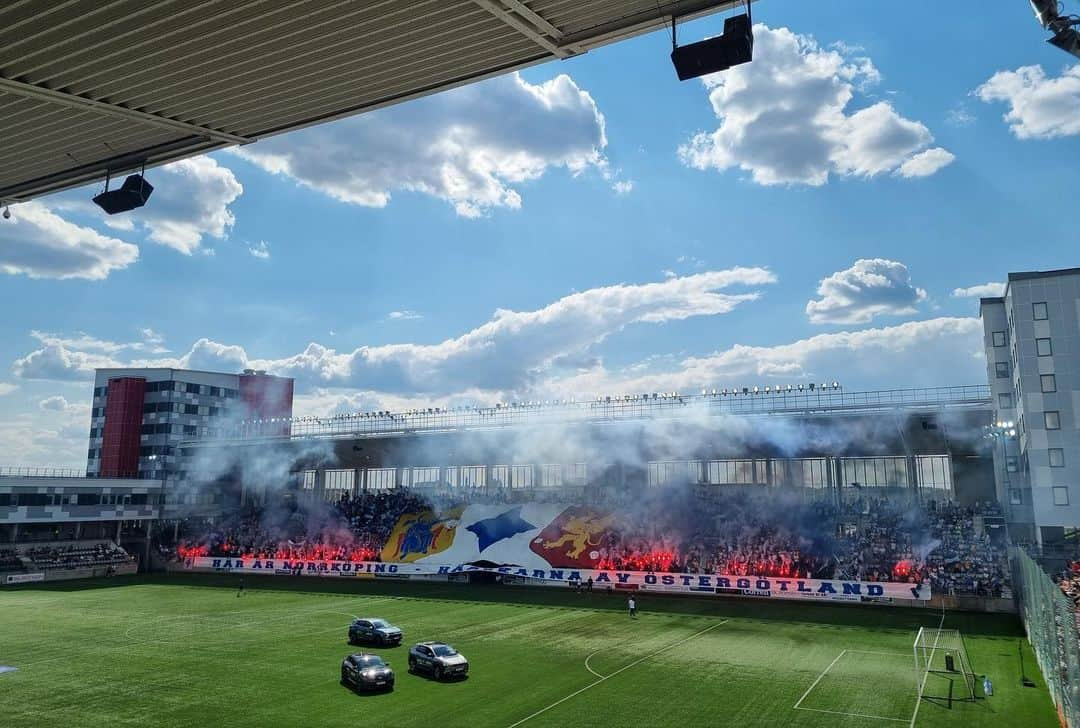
139,416
822,442
1032,342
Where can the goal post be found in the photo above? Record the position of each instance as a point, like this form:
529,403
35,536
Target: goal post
942,665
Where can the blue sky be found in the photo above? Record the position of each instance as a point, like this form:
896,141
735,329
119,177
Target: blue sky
589,226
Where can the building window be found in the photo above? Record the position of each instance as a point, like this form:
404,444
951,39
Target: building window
521,476
1002,369
191,409
1012,465
215,391
307,481
1043,347
999,338
1057,457
1052,420
1038,311
1005,401
1061,495
1048,382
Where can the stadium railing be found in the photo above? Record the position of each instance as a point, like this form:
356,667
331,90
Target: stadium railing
1050,621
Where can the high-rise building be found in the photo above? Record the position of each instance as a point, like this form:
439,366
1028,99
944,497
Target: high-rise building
1032,342
140,416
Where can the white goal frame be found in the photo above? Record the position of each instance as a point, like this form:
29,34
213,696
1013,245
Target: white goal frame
931,643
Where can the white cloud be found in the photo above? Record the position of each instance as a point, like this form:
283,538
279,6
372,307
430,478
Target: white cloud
56,403
67,358
210,356
74,358
7,388
959,116
404,315
785,118
471,146
933,352
260,250
191,200
511,351
151,336
1039,107
514,348
869,288
984,290
623,187
40,244
926,163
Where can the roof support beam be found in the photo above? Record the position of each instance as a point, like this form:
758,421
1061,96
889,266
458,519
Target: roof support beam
530,24
40,93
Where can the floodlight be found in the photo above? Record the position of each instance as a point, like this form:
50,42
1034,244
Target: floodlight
1066,37
734,47
1067,40
132,194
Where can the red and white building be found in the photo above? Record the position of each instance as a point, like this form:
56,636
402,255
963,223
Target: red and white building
139,417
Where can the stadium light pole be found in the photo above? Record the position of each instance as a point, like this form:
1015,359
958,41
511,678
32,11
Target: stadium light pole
1002,431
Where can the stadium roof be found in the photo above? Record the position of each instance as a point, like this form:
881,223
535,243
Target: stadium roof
89,86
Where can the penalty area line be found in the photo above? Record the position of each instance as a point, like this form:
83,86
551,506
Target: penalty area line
608,677
814,684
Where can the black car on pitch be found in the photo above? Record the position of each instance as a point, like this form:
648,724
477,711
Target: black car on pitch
366,672
372,630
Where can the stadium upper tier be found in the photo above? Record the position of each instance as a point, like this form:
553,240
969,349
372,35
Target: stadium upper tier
756,401
89,87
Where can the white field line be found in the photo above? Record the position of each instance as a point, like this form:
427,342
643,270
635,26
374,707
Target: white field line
816,681
594,672
857,715
798,705
621,669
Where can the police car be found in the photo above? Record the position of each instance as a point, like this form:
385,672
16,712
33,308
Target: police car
374,631
437,659
366,672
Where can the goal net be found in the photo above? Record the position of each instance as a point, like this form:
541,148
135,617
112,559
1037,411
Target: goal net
942,668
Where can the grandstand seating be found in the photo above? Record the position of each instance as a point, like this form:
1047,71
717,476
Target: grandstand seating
10,561
772,534
75,556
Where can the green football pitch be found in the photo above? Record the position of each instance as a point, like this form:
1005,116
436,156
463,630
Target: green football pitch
185,650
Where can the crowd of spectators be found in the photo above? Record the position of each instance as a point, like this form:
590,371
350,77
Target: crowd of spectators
1069,581
10,561
352,529
738,533
944,544
76,556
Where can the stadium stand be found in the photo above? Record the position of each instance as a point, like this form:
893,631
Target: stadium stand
10,561
869,539
75,556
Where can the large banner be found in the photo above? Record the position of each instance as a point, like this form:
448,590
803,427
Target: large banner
602,579
23,578
530,535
